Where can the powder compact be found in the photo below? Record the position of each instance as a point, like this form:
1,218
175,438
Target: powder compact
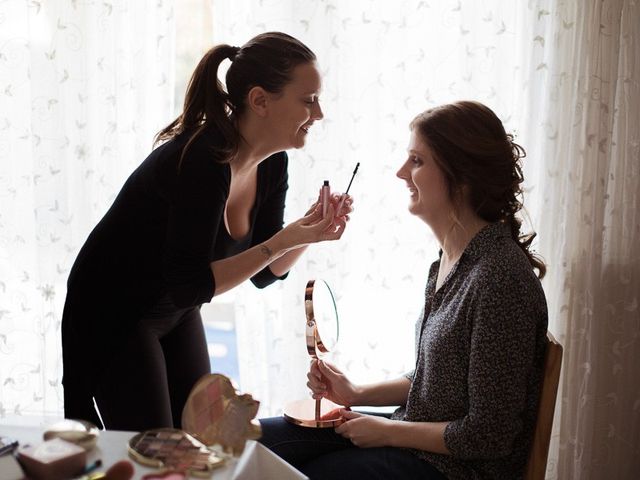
173,449
82,433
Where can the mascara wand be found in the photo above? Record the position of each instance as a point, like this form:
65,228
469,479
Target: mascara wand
352,177
343,197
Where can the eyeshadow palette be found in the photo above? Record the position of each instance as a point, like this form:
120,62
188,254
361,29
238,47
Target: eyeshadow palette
216,413
173,449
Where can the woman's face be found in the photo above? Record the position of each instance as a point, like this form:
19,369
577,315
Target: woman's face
429,195
294,110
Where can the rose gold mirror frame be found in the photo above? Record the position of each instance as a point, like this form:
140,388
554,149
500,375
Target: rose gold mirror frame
325,414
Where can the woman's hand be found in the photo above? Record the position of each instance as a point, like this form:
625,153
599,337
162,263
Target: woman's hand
365,431
327,381
311,228
313,207
342,205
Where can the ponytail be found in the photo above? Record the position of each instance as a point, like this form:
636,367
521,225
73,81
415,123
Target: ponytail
266,61
206,104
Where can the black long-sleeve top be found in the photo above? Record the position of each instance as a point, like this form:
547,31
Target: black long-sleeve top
480,351
158,238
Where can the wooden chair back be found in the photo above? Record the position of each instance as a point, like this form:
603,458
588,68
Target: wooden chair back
537,465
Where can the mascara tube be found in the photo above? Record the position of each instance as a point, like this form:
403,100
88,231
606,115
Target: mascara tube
325,196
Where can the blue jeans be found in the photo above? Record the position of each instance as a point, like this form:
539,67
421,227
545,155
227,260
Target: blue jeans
321,454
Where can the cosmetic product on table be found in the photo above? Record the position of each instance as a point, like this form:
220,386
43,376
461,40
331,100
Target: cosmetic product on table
62,454
215,417
120,470
52,460
166,475
256,460
216,414
82,433
173,449
7,444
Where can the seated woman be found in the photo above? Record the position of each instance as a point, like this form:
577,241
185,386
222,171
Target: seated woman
468,408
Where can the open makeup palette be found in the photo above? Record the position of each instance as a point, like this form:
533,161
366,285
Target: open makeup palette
214,415
173,449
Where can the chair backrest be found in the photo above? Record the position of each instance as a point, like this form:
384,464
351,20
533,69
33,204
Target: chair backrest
537,465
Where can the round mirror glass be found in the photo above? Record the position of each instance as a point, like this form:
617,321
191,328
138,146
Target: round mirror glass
325,314
322,332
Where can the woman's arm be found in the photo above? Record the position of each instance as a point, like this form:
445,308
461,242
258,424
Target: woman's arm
373,431
230,272
282,265
382,394
427,436
328,381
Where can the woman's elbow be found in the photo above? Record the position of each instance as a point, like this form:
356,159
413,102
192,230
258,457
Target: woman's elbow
483,451
471,444
266,277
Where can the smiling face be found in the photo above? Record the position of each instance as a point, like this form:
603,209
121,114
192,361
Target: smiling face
292,112
429,192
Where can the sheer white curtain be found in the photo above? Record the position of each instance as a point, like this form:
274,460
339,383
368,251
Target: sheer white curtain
564,77
383,63
84,86
582,115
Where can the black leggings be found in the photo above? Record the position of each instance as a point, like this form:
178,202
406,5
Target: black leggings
149,379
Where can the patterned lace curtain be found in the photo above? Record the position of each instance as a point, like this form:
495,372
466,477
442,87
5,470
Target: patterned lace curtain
383,63
84,85
564,77
582,109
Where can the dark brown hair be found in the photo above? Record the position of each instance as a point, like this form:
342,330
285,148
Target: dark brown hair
473,150
266,61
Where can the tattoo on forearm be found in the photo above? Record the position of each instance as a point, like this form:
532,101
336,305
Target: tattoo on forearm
266,251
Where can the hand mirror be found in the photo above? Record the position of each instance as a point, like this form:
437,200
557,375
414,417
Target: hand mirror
321,335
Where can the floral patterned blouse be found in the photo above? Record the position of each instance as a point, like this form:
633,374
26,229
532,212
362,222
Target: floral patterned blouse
480,350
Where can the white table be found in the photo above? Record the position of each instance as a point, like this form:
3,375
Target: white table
255,462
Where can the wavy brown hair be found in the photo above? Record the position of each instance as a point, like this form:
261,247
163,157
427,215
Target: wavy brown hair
266,61
473,150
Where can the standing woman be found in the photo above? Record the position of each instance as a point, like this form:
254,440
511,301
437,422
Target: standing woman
202,214
467,410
